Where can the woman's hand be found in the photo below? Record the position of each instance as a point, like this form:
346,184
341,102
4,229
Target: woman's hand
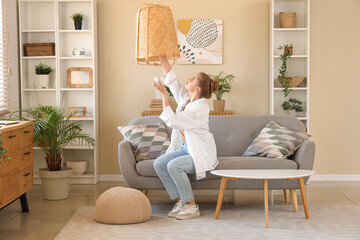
163,92
161,88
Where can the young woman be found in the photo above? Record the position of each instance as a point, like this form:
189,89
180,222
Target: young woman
192,149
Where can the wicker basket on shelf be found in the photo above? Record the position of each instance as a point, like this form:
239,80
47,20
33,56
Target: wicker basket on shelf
39,49
295,82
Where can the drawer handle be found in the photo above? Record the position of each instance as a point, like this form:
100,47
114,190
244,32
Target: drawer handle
27,131
27,153
12,136
27,174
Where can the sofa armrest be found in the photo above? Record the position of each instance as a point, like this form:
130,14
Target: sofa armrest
127,162
305,155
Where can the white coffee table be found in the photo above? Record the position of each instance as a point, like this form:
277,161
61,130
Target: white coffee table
265,175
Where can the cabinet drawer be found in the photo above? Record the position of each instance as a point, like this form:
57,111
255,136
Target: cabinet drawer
11,140
12,165
26,158
26,136
25,180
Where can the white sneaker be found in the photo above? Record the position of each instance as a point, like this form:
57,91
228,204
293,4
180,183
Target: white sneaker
188,211
176,209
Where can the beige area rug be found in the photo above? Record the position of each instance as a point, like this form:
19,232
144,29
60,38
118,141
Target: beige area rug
235,222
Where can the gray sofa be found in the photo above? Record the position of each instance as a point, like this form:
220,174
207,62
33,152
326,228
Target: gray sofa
233,134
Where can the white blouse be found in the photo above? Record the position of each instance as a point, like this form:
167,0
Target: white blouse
194,120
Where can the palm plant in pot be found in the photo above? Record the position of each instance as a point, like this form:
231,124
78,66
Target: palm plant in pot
224,86
53,131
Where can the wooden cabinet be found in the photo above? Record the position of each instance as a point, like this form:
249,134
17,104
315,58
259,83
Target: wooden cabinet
16,174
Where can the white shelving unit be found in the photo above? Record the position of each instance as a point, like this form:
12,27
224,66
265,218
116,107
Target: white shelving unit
49,21
299,63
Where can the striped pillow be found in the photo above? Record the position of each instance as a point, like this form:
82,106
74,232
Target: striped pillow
275,141
147,141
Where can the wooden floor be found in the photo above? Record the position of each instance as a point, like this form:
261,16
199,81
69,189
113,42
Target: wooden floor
46,218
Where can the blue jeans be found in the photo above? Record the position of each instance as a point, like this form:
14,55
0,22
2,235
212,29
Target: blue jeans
173,169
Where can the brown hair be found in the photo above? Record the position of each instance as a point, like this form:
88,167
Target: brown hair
207,85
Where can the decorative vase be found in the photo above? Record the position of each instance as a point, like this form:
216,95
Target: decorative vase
78,25
287,19
79,167
219,105
55,184
43,80
292,113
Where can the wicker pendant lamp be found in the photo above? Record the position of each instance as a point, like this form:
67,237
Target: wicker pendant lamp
155,35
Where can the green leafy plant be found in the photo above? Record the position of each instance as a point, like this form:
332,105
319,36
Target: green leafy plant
293,104
168,91
224,84
3,151
77,17
53,130
283,78
43,69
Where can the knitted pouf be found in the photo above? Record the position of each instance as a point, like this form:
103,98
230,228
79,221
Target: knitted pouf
120,205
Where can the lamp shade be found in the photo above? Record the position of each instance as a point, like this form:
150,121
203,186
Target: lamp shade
155,34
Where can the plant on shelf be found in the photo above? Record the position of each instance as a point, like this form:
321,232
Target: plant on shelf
78,18
53,131
43,75
224,87
292,106
3,151
282,77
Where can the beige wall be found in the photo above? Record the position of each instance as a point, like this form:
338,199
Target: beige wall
126,88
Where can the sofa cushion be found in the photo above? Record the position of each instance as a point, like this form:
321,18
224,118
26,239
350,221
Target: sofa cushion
148,141
275,141
145,168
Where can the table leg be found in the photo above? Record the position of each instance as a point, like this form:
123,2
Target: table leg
221,196
303,196
266,203
286,195
294,199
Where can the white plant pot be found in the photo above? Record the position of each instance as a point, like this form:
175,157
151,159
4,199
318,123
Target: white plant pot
43,80
292,113
55,184
78,166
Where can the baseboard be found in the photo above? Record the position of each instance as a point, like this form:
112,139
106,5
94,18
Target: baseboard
335,177
108,177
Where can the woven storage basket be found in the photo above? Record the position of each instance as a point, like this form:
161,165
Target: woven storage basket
287,19
39,49
155,34
295,82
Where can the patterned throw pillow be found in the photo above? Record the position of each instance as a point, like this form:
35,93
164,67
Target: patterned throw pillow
275,141
147,141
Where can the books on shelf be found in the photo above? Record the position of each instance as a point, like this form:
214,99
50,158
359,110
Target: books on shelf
156,105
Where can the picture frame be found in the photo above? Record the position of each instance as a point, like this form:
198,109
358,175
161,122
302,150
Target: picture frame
82,113
80,77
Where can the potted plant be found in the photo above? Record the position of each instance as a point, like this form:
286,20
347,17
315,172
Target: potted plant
292,106
43,75
172,102
224,86
78,18
52,132
3,151
282,77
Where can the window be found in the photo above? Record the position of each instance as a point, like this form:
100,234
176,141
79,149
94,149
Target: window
5,70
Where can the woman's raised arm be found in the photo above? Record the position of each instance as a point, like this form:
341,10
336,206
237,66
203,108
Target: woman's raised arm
165,64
